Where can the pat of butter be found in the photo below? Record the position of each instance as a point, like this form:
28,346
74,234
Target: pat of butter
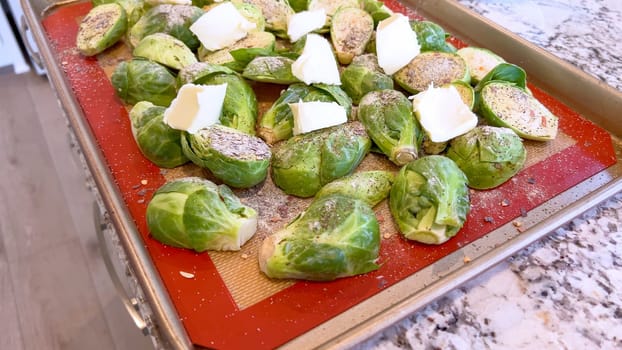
195,107
442,113
396,43
305,22
221,26
317,63
315,115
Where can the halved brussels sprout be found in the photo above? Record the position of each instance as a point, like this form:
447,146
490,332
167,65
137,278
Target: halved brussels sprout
165,49
350,31
278,121
270,69
253,14
303,164
337,236
143,80
488,155
466,92
389,120
101,28
331,6
157,141
370,187
263,41
376,9
195,213
134,9
429,199
432,68
431,36
505,104
276,13
480,61
200,71
362,76
238,159
171,19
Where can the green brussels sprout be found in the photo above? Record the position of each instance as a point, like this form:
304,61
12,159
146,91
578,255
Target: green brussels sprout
253,14
298,5
238,159
389,120
506,104
331,6
134,10
432,68
370,187
276,13
195,213
200,71
270,69
429,199
430,147
255,43
480,61
157,141
101,28
376,9
466,92
337,236
361,77
488,155
143,80
278,121
350,31
506,72
165,49
171,19
304,163
431,36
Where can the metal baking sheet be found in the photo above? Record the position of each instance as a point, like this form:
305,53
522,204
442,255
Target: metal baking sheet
229,303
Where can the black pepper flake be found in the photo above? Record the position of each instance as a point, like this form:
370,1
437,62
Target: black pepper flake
531,181
523,212
489,219
142,192
136,187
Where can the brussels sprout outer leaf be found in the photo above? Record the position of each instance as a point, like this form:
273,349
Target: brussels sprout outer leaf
389,121
488,155
277,122
507,72
429,199
357,80
238,159
192,213
370,187
271,69
101,28
431,36
143,80
335,237
302,164
157,141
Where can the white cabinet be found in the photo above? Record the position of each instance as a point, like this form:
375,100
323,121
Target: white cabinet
10,53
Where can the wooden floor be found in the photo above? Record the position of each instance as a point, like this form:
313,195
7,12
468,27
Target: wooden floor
54,290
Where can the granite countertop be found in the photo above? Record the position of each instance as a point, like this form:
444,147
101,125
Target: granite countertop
565,291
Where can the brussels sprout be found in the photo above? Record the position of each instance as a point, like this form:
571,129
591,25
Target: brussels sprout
261,42
370,187
302,164
505,104
389,121
157,141
431,36
298,5
238,159
276,13
200,71
376,9
432,68
134,10
253,14
480,61
197,214
143,80
488,155
331,6
337,236
507,72
171,19
277,123
165,49
466,92
270,69
429,199
362,76
430,147
350,31
101,28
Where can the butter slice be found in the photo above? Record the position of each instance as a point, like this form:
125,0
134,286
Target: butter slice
317,63
396,43
315,115
195,107
305,22
221,26
442,113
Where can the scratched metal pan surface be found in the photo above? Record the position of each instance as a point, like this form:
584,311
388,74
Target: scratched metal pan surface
562,179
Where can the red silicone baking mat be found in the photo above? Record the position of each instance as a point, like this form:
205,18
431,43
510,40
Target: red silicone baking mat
219,313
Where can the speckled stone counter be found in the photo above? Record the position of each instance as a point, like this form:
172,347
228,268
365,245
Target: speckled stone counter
565,291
